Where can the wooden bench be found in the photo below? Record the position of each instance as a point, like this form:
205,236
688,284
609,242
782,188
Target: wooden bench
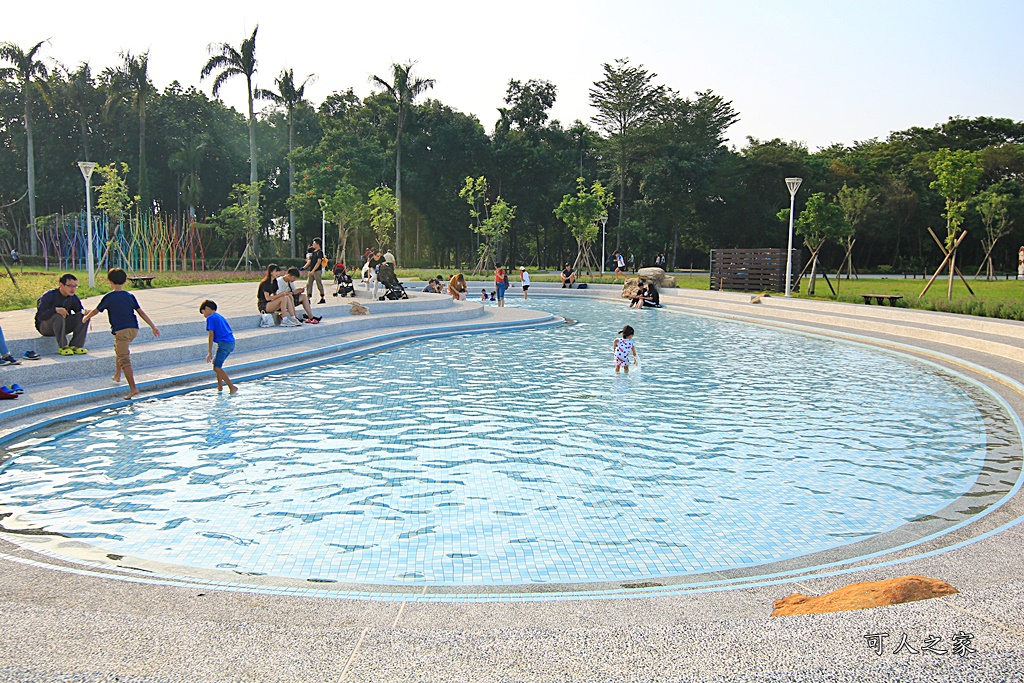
142,281
880,299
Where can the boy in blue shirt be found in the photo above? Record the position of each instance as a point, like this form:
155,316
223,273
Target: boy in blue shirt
121,307
220,332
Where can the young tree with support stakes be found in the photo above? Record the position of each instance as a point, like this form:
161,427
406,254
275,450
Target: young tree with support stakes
382,203
26,72
581,212
491,219
994,208
241,219
346,209
855,204
116,201
289,95
403,88
957,175
819,222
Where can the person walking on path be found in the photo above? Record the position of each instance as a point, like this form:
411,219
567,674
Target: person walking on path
121,307
220,332
315,266
525,277
623,347
501,284
59,312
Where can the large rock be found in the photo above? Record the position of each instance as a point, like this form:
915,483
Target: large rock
864,595
655,275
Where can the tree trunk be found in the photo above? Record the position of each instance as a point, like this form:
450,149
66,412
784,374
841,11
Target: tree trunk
291,185
622,195
31,163
253,175
398,186
144,202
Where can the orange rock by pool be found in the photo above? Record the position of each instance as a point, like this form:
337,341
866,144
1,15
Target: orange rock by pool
864,595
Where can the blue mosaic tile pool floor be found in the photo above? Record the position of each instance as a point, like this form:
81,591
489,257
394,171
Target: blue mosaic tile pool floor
520,458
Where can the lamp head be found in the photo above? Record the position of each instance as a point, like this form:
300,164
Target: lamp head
87,168
793,184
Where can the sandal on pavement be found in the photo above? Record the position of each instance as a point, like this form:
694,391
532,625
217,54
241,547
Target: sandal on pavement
16,389
79,351
66,351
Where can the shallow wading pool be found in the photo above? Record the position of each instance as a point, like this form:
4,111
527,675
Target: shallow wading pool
518,460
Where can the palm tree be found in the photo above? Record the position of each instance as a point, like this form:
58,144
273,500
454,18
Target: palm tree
403,89
288,96
131,81
79,87
240,62
25,71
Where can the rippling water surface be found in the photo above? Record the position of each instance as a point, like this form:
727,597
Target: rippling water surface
519,457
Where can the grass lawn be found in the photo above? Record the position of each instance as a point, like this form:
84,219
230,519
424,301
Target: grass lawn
996,298
32,282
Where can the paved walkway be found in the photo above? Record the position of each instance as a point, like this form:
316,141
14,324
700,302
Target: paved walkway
66,624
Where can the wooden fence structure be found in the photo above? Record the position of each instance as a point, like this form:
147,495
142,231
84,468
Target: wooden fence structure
753,270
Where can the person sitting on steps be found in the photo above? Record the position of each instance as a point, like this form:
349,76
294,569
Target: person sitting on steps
568,276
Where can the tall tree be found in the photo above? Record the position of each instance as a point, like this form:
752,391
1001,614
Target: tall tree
288,95
131,82
25,71
626,99
403,89
80,88
241,62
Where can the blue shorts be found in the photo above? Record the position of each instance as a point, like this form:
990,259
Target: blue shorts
501,287
224,350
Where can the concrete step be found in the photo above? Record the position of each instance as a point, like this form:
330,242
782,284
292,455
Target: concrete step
186,342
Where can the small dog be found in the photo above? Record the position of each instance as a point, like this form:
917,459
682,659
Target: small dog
358,309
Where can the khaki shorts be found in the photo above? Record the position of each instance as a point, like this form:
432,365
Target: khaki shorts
122,338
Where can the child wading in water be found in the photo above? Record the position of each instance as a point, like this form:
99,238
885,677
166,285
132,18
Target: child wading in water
623,347
220,332
121,307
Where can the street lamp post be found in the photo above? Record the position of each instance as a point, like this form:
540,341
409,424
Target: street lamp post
323,225
793,184
87,168
604,222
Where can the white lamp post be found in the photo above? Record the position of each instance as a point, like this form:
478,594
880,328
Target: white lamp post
793,184
323,226
604,222
87,168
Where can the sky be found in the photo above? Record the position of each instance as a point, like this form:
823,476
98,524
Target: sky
818,72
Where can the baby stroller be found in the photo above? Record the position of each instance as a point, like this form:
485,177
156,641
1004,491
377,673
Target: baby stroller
343,281
392,287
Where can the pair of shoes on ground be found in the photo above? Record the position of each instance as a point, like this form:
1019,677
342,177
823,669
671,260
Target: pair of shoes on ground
13,389
72,351
32,355
9,360
290,322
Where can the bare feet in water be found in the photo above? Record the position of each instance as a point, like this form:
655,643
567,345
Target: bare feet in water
233,390
131,395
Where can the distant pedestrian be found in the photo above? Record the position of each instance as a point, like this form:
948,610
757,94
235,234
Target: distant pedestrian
220,332
121,307
525,277
15,257
315,263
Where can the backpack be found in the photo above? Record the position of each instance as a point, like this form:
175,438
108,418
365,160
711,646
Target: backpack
324,262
